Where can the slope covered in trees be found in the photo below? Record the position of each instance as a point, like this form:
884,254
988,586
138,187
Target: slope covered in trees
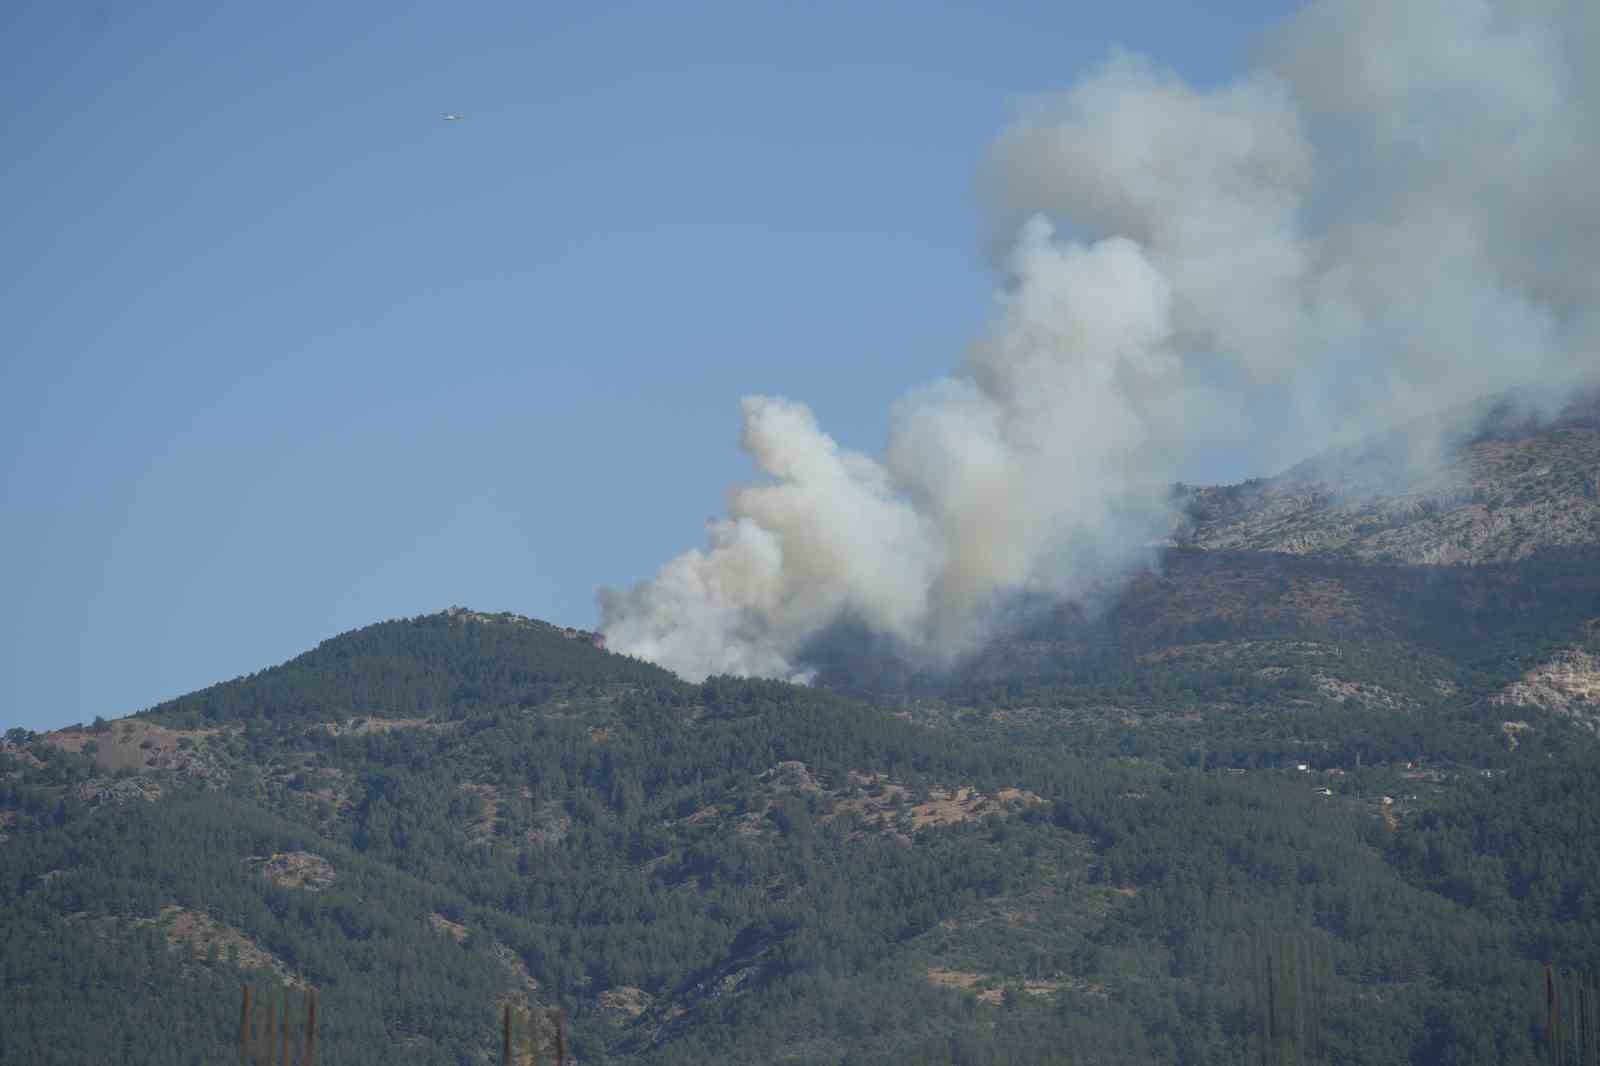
452,663
428,818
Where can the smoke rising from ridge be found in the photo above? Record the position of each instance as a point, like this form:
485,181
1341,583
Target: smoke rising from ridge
1391,216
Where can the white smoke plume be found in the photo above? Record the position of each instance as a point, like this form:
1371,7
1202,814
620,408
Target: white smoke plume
1394,215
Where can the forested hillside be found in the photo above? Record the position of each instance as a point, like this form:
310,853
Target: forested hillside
429,818
1250,657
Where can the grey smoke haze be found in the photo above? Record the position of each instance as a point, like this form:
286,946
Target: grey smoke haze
1393,215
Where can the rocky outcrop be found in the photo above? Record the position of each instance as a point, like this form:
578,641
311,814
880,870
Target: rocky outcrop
1511,491
138,746
790,776
454,930
293,869
202,937
623,1004
1566,684
114,792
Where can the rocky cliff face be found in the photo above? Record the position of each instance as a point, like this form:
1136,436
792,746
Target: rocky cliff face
1508,490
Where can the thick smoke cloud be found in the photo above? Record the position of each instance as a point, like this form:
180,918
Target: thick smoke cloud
1393,216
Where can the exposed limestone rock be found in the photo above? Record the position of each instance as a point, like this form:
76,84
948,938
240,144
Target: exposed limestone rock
293,869
454,930
990,989
360,727
1567,684
114,792
1513,733
624,1003
899,811
1513,490
790,776
198,934
1371,695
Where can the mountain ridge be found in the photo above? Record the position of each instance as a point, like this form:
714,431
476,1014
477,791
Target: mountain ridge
1502,487
1066,845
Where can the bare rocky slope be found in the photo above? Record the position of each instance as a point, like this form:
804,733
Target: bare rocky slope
1509,488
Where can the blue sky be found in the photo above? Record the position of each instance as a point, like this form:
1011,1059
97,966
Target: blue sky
283,353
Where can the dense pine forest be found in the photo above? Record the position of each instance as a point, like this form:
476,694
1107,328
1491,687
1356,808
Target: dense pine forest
431,818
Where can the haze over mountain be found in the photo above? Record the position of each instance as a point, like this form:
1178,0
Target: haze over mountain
1504,485
1388,219
1487,556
